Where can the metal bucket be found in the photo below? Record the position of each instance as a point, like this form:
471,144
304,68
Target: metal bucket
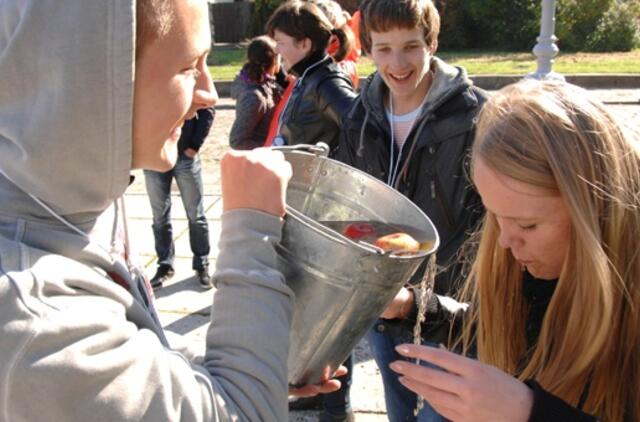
341,286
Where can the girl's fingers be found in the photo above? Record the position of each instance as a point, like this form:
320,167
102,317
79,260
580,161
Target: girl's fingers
445,403
438,356
435,377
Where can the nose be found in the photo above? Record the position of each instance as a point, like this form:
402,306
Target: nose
508,238
398,60
205,94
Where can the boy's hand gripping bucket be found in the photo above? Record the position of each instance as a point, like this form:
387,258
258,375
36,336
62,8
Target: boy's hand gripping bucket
340,286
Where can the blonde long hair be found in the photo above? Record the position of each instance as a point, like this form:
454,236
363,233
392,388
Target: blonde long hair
552,135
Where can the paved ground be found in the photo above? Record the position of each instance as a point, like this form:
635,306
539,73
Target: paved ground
185,309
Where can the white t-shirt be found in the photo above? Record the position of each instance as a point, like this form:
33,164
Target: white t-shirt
402,124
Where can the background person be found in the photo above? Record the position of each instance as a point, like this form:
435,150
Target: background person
553,293
256,92
322,94
188,176
412,127
339,18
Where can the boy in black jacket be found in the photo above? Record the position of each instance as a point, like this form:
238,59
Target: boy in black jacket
412,127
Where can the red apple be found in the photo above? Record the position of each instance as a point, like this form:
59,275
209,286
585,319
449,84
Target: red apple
355,231
398,242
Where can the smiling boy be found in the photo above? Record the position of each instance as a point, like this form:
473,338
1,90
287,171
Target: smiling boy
412,127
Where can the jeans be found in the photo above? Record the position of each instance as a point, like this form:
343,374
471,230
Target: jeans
399,400
188,175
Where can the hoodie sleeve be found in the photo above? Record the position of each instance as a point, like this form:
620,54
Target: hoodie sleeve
73,353
248,340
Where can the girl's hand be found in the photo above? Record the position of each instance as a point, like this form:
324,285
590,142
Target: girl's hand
464,389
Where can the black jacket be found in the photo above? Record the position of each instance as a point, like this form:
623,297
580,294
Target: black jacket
320,99
196,130
434,156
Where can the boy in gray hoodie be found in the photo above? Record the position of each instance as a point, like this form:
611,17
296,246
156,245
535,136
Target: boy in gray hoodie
87,93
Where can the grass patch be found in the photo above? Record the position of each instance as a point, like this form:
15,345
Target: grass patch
225,62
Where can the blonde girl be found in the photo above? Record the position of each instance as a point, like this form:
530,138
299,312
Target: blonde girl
554,290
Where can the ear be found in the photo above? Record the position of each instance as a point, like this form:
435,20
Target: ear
306,45
434,47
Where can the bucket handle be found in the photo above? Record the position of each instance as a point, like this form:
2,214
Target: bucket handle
321,148
322,229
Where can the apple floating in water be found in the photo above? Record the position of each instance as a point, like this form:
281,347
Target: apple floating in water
388,237
355,231
398,242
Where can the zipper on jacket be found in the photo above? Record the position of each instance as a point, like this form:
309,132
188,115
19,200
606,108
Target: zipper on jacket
436,193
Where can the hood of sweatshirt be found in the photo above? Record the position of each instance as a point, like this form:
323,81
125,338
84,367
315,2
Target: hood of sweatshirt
66,100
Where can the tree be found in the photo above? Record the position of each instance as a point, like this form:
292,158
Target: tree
262,10
503,24
577,19
454,26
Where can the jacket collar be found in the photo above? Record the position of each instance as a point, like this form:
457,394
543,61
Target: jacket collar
298,69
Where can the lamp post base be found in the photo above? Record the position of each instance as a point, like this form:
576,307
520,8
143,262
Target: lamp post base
546,76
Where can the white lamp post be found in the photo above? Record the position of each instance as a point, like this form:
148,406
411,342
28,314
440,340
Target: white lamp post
546,49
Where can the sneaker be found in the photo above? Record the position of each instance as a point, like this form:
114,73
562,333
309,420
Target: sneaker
204,278
330,417
164,273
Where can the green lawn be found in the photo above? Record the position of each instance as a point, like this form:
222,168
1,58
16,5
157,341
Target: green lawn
226,61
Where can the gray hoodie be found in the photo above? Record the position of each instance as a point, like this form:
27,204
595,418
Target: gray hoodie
79,340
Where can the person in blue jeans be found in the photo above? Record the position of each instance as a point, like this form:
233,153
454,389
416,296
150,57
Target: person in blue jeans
412,127
188,175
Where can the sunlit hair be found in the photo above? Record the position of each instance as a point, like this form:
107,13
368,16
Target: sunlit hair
301,20
332,10
154,19
385,15
261,55
338,18
553,136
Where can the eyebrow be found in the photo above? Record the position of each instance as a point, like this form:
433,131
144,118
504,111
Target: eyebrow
512,218
410,42
508,217
194,55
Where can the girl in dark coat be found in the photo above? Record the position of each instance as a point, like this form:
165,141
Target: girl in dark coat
256,93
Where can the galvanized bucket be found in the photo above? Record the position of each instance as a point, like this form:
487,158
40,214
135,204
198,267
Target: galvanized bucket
340,286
